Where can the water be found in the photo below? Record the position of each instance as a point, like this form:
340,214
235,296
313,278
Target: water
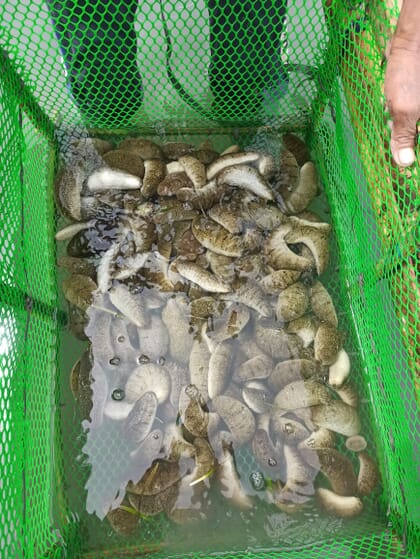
232,498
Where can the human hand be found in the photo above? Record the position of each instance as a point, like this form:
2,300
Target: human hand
402,93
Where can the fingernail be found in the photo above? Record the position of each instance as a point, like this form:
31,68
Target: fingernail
406,156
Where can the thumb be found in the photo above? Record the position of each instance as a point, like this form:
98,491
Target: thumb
403,136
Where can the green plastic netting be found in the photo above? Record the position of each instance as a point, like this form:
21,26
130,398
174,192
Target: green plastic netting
232,72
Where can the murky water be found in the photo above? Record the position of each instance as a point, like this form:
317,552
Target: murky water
209,404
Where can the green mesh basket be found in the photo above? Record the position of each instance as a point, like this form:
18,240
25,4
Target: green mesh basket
232,72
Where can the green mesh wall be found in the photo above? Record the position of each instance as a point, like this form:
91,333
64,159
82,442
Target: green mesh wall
161,71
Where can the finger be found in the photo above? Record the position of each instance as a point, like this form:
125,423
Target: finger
403,137
387,50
